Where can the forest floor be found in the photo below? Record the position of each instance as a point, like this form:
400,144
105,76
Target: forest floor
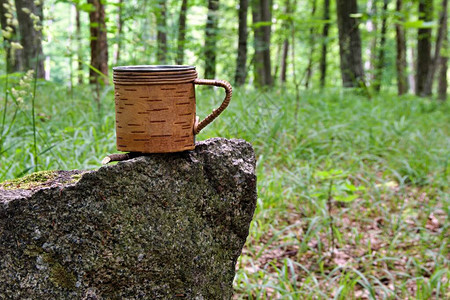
353,193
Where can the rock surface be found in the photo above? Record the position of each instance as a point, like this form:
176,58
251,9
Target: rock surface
160,226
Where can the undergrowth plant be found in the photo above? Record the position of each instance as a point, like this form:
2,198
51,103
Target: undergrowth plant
353,200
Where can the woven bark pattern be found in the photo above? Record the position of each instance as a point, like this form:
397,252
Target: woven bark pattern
156,118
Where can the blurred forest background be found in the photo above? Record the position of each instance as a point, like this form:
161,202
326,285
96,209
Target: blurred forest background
344,101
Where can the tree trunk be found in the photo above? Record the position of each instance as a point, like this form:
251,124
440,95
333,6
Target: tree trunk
211,39
371,50
261,11
99,43
402,78
326,28
428,89
161,35
79,45
30,37
266,14
412,66
181,32
119,32
349,44
381,52
241,61
258,44
443,82
13,56
284,58
312,48
423,47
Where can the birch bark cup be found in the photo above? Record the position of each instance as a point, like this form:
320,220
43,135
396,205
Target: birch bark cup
156,108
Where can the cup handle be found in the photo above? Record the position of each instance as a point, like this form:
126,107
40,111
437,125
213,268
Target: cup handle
216,112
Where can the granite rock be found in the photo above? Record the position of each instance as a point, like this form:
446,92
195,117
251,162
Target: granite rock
162,226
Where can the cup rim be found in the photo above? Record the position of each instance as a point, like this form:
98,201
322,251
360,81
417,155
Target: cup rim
153,68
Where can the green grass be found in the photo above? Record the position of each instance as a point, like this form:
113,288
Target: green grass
353,196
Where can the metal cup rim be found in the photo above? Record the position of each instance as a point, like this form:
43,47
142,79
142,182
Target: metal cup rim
153,68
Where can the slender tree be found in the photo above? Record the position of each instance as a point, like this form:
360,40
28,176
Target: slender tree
181,32
411,60
266,14
400,63
99,43
423,47
262,16
241,61
443,81
258,43
312,48
442,31
161,34
79,45
211,39
284,55
371,50
29,15
119,31
380,62
326,28
13,56
349,44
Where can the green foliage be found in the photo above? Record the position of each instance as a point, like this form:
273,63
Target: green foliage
353,194
375,153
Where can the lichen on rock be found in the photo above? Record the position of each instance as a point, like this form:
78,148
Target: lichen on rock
159,226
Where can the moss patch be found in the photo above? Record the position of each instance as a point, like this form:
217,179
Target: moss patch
43,179
60,277
30,181
76,177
